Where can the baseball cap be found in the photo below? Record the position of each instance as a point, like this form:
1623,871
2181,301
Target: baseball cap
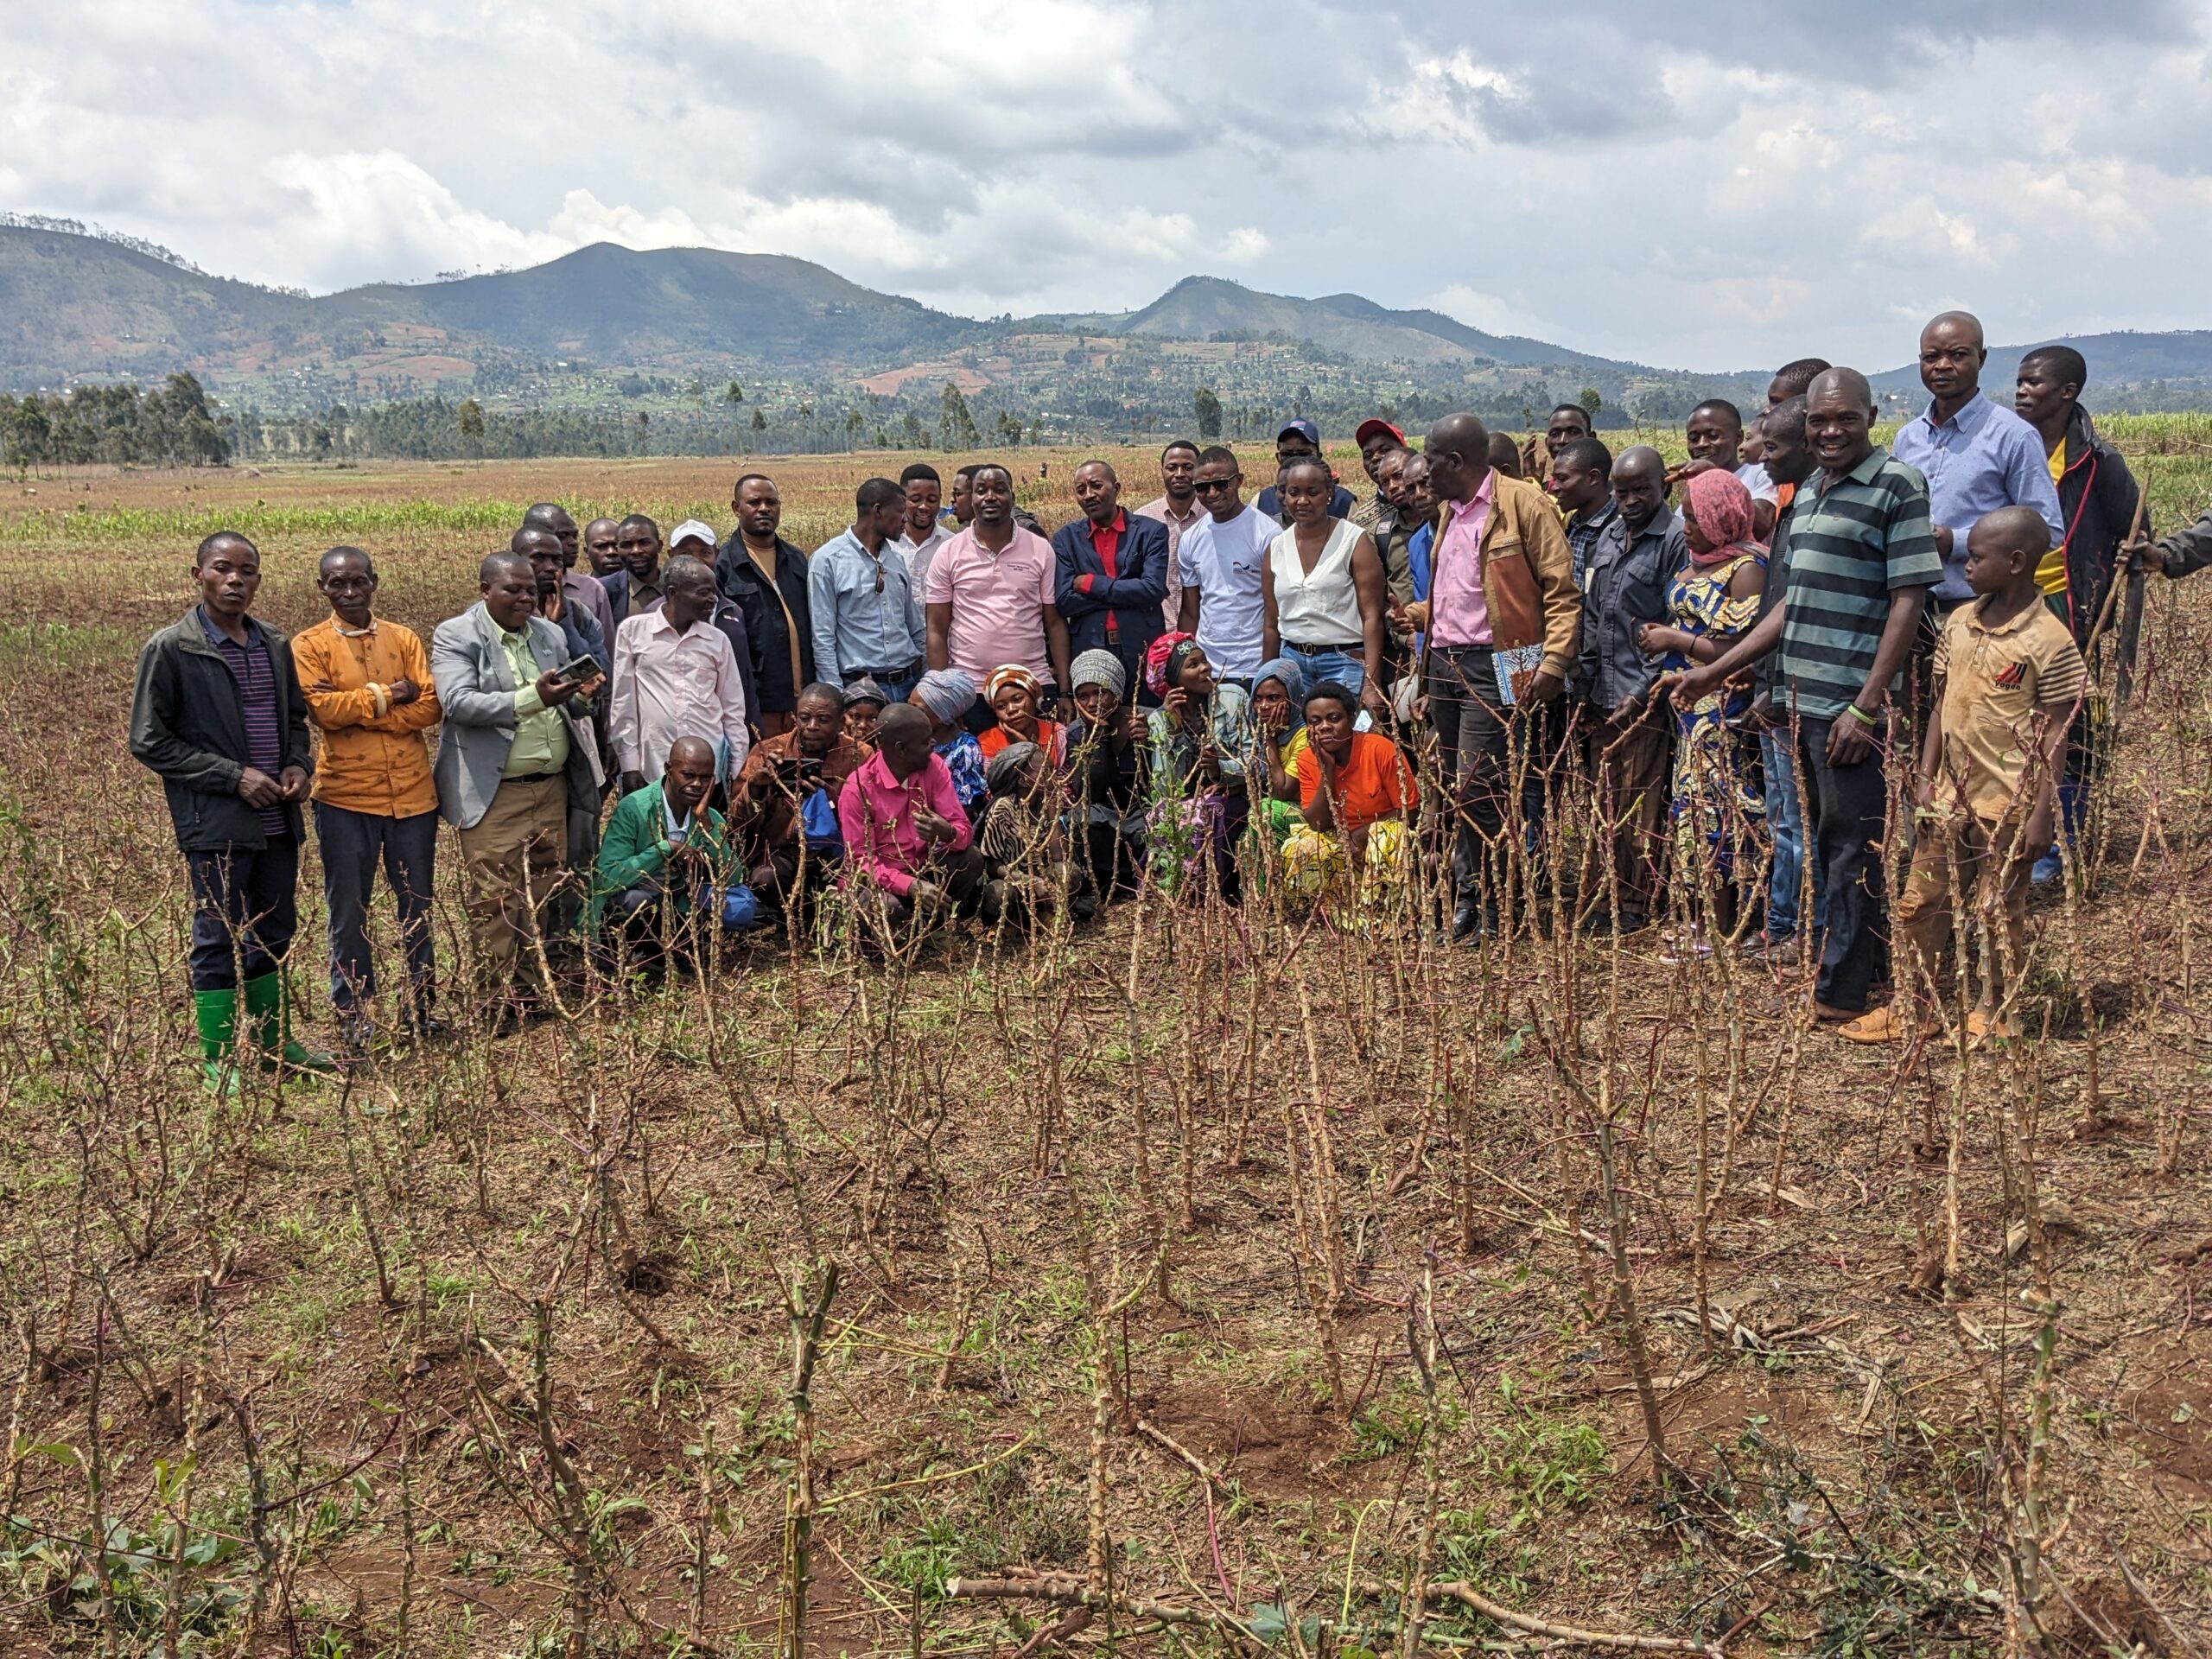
1375,426
692,530
1305,430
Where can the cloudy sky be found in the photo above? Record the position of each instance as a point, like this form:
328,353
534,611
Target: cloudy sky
1711,190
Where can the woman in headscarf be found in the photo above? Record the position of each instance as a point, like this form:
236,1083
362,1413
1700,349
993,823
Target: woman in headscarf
864,701
1201,739
1719,802
1027,873
945,695
1105,774
1017,698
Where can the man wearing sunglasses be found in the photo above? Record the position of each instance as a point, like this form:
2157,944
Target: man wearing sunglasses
868,621
1220,559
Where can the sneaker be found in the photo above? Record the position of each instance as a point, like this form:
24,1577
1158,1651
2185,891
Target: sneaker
1786,950
2047,869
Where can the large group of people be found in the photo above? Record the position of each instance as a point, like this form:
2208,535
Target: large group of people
647,745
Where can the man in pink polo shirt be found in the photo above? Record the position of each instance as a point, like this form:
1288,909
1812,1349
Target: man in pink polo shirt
988,597
910,855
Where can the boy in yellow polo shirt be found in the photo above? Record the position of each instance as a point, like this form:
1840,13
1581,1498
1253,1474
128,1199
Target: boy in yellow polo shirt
1987,788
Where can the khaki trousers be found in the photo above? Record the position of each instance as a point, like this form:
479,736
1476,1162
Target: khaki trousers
514,860
1981,864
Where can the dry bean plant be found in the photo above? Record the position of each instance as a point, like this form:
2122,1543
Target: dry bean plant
1204,1280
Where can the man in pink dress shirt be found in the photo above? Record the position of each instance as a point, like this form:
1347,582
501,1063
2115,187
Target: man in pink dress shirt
1477,723
1177,507
909,851
988,597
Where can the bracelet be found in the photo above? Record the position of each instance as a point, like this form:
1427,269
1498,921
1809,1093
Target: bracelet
1865,719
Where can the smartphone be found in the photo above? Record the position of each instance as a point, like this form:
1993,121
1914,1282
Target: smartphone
577,670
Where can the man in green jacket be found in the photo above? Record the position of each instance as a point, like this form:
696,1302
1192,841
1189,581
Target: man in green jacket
662,845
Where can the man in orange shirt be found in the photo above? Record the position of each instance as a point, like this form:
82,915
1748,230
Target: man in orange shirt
370,700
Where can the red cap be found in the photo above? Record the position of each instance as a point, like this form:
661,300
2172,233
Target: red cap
1372,425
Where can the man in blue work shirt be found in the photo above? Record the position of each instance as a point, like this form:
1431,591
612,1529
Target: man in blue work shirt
1975,455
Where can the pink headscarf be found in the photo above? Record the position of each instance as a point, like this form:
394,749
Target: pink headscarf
1722,507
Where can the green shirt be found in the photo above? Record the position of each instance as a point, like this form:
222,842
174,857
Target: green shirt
541,742
1851,545
634,851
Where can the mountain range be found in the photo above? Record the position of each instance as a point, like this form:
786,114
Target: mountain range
77,308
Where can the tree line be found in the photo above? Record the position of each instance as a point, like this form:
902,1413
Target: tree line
170,426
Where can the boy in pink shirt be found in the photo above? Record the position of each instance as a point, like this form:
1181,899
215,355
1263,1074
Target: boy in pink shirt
908,846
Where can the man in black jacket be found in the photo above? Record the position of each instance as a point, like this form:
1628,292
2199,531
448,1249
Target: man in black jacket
765,577
2097,497
1111,572
218,713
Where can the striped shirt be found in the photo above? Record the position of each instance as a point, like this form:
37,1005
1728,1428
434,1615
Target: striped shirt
1852,544
257,682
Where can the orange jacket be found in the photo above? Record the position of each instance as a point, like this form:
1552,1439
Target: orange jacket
371,762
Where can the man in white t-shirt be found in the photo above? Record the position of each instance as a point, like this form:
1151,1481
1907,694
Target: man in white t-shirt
1714,433
1220,560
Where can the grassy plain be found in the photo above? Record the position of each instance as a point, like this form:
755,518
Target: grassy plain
1324,1264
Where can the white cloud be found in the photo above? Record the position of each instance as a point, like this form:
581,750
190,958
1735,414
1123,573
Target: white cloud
1575,174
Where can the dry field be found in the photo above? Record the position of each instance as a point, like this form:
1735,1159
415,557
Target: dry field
1209,1282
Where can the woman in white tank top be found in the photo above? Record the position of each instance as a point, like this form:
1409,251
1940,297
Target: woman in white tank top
1323,591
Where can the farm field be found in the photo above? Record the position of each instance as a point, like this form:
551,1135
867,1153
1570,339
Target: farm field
1209,1281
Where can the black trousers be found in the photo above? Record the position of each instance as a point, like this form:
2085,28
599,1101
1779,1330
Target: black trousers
1475,750
1850,813
244,912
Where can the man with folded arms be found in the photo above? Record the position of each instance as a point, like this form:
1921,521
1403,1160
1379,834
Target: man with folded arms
367,683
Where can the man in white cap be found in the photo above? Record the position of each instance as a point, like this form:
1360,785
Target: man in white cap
701,537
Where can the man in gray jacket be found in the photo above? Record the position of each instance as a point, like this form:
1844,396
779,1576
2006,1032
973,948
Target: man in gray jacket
511,754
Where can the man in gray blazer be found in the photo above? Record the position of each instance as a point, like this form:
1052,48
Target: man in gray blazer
511,754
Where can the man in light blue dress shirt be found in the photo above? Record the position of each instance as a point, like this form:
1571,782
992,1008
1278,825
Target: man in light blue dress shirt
1976,455
867,618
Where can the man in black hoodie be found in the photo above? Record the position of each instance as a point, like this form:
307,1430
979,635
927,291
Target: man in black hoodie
2097,497
218,713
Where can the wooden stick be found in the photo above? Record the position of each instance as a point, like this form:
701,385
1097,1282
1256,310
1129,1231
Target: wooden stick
1462,1592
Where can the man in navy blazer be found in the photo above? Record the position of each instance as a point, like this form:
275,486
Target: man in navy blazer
1113,574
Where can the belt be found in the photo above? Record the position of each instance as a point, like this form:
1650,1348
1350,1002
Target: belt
852,674
1324,651
534,777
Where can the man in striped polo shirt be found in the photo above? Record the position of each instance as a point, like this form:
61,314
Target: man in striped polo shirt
1862,559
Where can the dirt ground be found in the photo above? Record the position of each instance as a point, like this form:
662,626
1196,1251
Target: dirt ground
1247,1269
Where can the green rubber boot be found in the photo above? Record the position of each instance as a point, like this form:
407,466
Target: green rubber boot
218,1013
269,1009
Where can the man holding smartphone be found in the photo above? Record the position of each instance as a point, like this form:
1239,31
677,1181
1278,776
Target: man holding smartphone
510,758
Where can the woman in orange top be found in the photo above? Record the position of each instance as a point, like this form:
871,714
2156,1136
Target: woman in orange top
1359,798
1015,696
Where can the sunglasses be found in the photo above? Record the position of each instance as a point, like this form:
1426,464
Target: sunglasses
1209,486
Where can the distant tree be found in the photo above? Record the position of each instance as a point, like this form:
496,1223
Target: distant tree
469,418
910,429
955,421
760,421
1590,400
854,422
733,393
1207,407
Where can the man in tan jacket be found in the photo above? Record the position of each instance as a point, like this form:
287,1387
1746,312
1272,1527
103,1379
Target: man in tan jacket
1503,621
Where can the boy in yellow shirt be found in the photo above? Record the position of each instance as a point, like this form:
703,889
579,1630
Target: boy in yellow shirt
2011,678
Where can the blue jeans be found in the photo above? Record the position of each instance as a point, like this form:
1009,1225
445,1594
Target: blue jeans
1786,822
353,844
1329,663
